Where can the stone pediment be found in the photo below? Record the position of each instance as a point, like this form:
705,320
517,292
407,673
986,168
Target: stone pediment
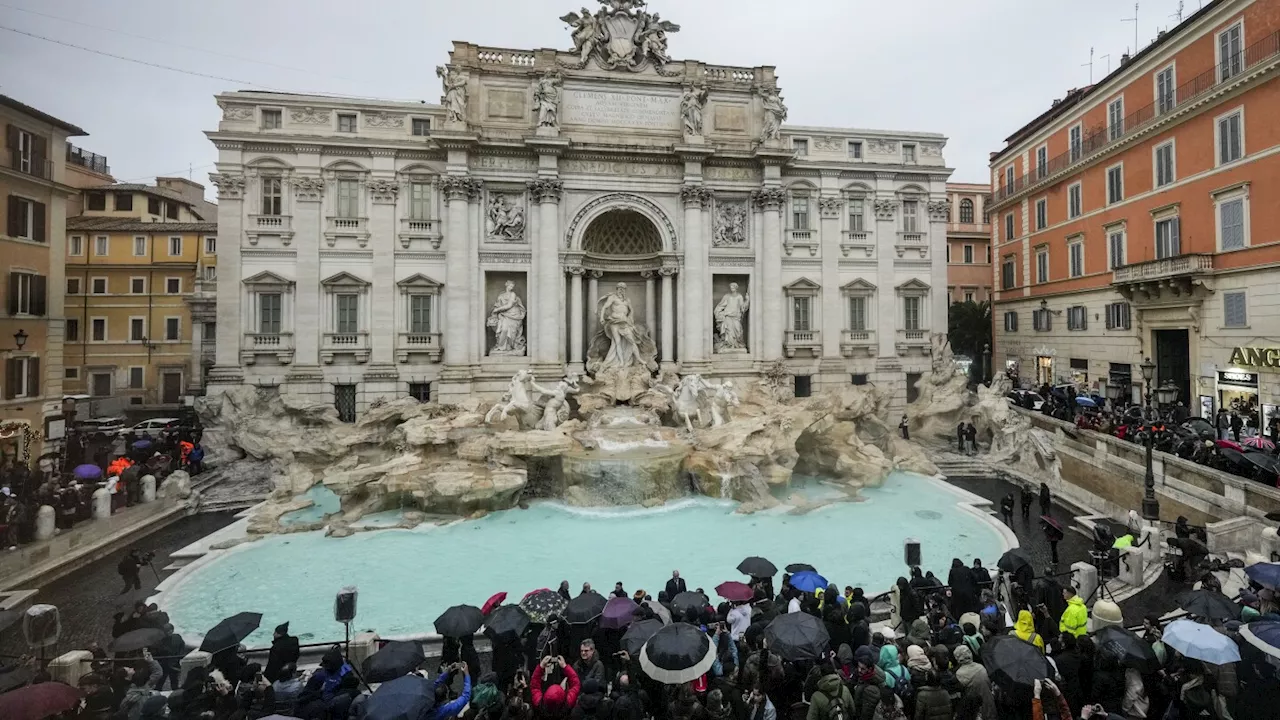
419,281
344,279
804,284
266,277
913,285
858,286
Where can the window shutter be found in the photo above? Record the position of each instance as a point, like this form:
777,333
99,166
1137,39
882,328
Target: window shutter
38,222
13,293
1125,312
10,376
39,295
1234,309
1175,240
14,225
39,153
11,137
33,377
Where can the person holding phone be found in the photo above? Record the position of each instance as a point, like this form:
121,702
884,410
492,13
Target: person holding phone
446,708
557,700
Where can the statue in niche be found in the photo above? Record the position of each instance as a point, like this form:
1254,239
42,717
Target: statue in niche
731,225
505,218
619,342
730,317
775,112
506,319
546,97
455,94
691,105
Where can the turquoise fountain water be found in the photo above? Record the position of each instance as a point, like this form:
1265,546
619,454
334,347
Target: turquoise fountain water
407,577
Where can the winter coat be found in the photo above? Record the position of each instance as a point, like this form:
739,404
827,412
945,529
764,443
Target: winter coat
555,701
131,704
589,671
830,689
893,670
284,650
866,696
919,633
1072,684
932,703
1075,619
1108,688
917,659
1025,629
975,681
964,591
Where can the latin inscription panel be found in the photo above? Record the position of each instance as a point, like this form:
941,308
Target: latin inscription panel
608,108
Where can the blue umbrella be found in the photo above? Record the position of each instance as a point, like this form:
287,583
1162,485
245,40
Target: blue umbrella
143,443
808,581
406,698
1200,642
1264,635
1265,574
87,472
1083,401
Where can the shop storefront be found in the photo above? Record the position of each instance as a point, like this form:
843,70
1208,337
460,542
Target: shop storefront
1079,373
1238,390
16,442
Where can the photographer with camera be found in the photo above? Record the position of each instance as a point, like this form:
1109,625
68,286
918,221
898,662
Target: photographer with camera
129,567
556,700
445,708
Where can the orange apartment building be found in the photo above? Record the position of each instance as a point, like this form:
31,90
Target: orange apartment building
968,243
1137,218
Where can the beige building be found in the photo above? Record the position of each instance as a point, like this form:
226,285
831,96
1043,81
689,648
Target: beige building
968,243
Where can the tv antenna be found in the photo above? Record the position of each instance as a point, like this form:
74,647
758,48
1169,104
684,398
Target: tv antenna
1178,15
1089,65
1133,20
1106,57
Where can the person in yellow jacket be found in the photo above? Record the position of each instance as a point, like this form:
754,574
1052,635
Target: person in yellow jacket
1025,629
1075,619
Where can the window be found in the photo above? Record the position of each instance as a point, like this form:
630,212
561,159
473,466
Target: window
1075,140
140,246
271,196
1011,321
28,294
801,147
1075,258
1041,320
968,254
800,212
153,206
346,123
138,286
1042,161
1078,318
73,329
136,377
856,215
75,246
175,247
347,320
210,272
1008,273
1231,137
124,202
1008,180
71,373
1231,225
344,399
22,377
910,216
858,314
911,312
98,286
1075,203
1118,316
419,201
101,384
271,120
966,211
988,254
1231,52
348,198
26,219
171,210
419,313
1115,249
1008,227
1115,184
1042,266
1234,310
98,329
1164,163
420,391
855,149
211,245
908,154
858,379
1166,91
269,313
96,201
73,286
968,297
101,244
1042,213
421,126
801,314
173,285
802,386
173,328
1115,118
1168,242
137,329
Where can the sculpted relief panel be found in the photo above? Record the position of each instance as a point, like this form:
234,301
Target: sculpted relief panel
607,108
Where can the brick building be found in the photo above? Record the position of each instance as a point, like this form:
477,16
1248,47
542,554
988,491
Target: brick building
968,243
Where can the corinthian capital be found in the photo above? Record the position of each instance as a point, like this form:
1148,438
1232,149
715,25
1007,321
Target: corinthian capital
460,187
545,189
769,198
697,195
230,187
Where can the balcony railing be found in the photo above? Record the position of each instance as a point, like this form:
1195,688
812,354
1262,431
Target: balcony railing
852,341
914,238
1163,269
415,226
810,340
1099,137
909,340
271,223
346,224
92,161
356,343
803,239
278,344
428,343
31,165
271,341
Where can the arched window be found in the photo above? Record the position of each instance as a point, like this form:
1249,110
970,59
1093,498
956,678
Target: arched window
966,211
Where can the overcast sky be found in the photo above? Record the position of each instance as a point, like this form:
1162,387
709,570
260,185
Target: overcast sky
974,71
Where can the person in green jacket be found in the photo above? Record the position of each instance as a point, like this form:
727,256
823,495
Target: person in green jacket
1075,619
831,689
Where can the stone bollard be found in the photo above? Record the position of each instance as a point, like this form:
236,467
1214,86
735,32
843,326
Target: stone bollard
101,501
1270,544
148,488
193,659
1132,567
46,522
1153,549
1084,578
1105,614
70,667
362,646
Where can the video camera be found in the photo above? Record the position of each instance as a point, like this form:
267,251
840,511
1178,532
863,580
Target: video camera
1103,555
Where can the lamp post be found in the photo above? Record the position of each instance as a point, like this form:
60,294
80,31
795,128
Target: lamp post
20,339
986,363
1150,506
1114,391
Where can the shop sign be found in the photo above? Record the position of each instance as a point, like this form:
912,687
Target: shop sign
1238,378
1256,357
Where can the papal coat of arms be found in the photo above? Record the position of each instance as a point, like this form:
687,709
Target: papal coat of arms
621,34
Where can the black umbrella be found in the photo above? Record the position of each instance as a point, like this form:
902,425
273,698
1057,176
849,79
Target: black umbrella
677,654
584,608
1127,647
1209,604
136,640
1233,456
1013,560
396,659
1012,661
459,621
229,632
794,568
687,604
757,567
798,636
405,698
1263,461
542,604
1190,547
507,623
638,633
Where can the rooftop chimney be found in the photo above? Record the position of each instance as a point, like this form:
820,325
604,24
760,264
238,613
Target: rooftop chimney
1124,59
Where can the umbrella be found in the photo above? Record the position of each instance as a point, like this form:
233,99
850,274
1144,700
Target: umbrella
405,698
734,591
1083,401
687,603
618,613
1261,460
584,608
1259,442
757,567
35,702
1199,642
543,603
1013,661
1051,521
136,640
1265,574
798,636
800,567
1229,445
396,659
1127,647
1264,635
638,634
1013,560
506,623
459,621
1209,604
808,581
8,618
142,443
677,654
87,472
660,610
1235,457
229,632
493,602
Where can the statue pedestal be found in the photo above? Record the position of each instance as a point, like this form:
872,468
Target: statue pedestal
46,522
101,502
694,140
148,493
547,132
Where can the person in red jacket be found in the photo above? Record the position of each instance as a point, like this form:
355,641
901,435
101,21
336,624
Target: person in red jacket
556,701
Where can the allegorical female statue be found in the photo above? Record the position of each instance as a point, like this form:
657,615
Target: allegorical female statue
506,319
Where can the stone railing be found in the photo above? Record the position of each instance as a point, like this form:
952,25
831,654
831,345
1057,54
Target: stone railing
745,76
271,223
346,224
801,239
858,242
414,226
278,344
1163,268
356,343
854,341
795,340
429,344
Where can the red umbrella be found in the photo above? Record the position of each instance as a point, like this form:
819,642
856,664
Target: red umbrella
1050,520
1230,445
36,702
1258,442
734,591
492,603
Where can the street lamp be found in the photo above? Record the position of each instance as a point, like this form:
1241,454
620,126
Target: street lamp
20,339
1167,393
1114,391
1150,506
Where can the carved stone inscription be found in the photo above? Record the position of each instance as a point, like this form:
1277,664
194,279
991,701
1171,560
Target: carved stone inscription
619,109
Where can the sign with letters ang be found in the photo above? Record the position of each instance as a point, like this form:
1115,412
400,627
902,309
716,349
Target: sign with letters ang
1256,357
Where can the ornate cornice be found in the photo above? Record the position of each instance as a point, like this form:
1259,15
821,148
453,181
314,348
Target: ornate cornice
230,187
304,148
545,190
938,209
831,206
770,198
382,190
308,189
885,208
460,187
383,152
228,144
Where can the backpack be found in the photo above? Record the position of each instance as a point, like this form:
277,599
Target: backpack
835,707
902,685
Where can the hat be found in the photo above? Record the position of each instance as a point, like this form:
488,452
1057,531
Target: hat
1248,598
865,655
1106,614
282,628
888,634
553,699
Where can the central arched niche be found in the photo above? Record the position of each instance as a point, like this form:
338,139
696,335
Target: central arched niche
622,234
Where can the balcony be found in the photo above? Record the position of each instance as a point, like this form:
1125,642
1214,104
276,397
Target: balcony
801,239
274,225
419,229
279,345
803,340
31,165
348,225
858,243
909,340
85,159
912,244
428,344
333,344
1175,276
855,342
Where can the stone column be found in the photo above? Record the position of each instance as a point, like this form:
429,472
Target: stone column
457,291
832,311
575,317
695,282
593,300
887,296
650,299
666,351
549,310
308,234
769,294
231,324
382,229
